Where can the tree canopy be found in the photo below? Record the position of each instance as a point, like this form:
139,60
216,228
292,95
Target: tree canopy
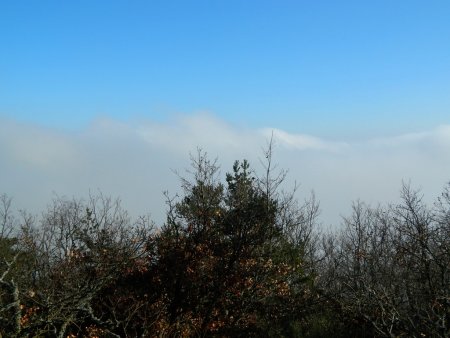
236,257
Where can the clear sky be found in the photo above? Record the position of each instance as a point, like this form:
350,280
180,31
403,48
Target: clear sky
324,67
111,95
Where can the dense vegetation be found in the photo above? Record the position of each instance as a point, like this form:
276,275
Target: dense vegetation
237,258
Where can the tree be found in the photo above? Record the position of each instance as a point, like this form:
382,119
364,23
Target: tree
221,258
389,268
76,252
9,293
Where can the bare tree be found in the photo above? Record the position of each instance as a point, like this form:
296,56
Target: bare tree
64,262
10,313
389,267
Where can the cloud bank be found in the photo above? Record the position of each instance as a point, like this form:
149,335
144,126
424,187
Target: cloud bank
135,160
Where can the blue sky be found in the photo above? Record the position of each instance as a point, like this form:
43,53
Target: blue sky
329,68
112,95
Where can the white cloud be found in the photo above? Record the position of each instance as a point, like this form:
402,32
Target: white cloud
133,160
37,147
302,142
187,132
437,137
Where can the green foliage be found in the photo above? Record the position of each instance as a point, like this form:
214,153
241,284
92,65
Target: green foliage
221,257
